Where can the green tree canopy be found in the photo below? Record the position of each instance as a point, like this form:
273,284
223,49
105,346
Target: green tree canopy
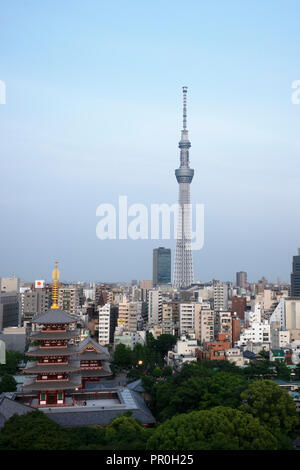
125,432
33,431
123,355
12,359
157,372
260,369
165,343
196,387
274,407
7,383
283,372
221,428
36,431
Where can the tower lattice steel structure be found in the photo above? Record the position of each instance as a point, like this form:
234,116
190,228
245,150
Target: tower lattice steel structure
183,268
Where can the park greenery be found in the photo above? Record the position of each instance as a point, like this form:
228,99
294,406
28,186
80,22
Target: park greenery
8,370
145,359
261,417
35,431
208,405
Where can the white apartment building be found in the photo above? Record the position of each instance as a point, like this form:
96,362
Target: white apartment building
104,325
204,324
154,307
295,346
255,315
183,351
256,333
278,315
220,296
187,318
89,293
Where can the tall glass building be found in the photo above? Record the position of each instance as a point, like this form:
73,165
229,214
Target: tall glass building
295,276
161,266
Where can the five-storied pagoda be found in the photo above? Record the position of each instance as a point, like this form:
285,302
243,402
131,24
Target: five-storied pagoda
60,364
183,267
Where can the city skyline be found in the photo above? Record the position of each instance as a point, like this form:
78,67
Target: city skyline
92,113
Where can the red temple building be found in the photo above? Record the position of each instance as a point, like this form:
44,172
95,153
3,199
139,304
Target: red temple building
56,365
59,364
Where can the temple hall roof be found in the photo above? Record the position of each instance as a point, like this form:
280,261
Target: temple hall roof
88,341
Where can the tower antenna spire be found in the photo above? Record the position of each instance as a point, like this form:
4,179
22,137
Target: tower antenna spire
184,90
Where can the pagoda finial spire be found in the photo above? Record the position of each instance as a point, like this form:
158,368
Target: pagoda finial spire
55,277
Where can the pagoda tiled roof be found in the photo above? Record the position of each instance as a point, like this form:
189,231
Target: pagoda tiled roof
40,335
35,368
55,316
73,382
36,351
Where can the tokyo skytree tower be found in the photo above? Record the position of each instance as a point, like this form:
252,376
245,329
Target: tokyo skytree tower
183,268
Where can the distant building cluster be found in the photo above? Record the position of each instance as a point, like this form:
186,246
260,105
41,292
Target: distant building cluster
221,320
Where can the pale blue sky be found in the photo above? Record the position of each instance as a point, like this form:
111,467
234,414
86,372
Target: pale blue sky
93,111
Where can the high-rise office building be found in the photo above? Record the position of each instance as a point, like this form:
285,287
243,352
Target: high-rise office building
161,266
35,301
183,267
241,279
9,309
68,299
295,276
